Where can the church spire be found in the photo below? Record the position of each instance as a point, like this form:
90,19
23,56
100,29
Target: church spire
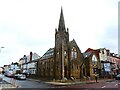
61,26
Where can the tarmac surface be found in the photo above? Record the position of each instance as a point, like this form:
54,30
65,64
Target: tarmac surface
55,83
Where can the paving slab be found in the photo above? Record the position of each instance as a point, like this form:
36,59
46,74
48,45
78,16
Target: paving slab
5,84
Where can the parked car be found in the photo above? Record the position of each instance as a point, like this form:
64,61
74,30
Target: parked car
117,77
6,73
9,74
20,76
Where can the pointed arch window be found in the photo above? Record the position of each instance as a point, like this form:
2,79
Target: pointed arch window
74,53
65,53
58,55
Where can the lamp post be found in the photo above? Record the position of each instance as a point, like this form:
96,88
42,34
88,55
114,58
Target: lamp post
1,49
1,78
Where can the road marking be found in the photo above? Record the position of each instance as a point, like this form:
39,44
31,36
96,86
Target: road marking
110,82
116,84
103,87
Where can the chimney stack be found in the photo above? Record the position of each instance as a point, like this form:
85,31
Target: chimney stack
30,56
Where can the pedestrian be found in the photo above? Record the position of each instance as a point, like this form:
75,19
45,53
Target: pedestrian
96,77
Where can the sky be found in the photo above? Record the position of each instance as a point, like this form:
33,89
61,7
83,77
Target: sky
29,25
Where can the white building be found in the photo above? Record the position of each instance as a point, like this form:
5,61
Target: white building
28,63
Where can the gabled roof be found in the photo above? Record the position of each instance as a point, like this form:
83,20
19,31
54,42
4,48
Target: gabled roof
95,51
48,54
89,49
87,54
35,56
73,41
72,44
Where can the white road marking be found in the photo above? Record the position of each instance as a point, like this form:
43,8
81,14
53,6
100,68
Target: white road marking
110,82
116,84
103,87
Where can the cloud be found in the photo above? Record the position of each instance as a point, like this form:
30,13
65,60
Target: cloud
109,38
27,25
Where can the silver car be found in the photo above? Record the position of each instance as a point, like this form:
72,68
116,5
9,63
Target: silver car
20,76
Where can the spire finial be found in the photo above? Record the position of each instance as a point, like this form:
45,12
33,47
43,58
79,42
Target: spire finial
61,9
61,26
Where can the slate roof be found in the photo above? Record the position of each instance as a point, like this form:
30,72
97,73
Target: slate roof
48,54
87,54
95,51
35,56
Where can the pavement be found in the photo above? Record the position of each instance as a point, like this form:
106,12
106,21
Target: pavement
70,82
5,84
64,82
8,83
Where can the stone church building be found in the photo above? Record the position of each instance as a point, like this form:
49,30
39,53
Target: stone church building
65,60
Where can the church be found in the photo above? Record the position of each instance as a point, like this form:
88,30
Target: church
64,60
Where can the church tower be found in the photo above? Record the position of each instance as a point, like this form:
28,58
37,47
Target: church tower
61,68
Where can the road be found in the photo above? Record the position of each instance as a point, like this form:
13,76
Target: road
26,83
114,84
104,84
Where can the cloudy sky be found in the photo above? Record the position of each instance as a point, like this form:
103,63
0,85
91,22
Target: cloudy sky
29,25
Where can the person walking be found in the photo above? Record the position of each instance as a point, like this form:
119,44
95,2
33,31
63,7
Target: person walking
96,77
